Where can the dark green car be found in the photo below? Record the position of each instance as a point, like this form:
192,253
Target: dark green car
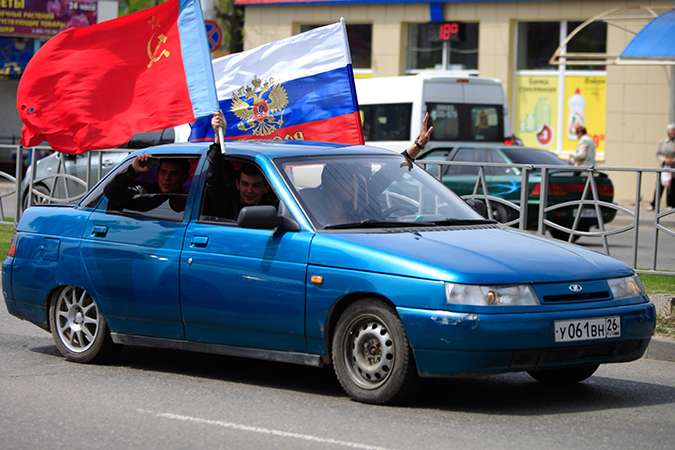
504,181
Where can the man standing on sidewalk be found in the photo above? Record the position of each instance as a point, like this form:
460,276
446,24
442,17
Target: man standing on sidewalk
665,153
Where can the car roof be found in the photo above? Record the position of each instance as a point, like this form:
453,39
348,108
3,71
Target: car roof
270,148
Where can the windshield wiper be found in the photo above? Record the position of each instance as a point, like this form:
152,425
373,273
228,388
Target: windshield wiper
372,223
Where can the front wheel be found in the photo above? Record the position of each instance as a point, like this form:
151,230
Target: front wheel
78,327
566,375
371,354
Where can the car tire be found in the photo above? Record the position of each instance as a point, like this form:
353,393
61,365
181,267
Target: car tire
39,192
80,332
566,375
372,357
565,236
499,212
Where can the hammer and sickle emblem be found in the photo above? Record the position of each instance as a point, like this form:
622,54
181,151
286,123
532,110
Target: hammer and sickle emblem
154,57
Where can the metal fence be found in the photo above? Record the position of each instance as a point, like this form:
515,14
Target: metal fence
663,222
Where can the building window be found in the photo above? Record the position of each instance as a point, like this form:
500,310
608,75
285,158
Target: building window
537,41
442,46
360,38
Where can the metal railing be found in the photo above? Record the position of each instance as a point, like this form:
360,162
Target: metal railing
589,198
662,223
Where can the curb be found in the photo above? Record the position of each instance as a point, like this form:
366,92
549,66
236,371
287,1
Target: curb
661,349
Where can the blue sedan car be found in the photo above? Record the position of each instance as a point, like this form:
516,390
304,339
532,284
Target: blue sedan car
351,259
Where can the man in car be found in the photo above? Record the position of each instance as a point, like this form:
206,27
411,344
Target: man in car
228,193
126,192
348,192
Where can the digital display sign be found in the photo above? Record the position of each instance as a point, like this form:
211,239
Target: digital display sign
446,31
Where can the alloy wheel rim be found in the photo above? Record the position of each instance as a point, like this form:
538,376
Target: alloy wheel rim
77,319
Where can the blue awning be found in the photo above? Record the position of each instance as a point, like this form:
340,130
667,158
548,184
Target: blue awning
655,41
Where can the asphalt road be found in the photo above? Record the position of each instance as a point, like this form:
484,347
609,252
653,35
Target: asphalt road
166,399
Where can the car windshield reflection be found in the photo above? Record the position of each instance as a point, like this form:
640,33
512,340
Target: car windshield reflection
366,192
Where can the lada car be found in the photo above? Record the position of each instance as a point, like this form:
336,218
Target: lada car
356,260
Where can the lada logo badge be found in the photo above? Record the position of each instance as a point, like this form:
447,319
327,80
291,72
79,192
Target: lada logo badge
575,288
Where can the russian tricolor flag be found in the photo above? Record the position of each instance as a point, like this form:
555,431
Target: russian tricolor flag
299,88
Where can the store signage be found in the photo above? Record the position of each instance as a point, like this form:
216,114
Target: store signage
44,18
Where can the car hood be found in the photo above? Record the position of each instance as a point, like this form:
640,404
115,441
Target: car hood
476,255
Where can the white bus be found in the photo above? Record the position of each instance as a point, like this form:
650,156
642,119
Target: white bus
461,109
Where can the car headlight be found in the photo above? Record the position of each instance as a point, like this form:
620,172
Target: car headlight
467,294
626,287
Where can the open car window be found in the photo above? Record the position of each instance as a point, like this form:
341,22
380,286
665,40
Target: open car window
236,185
159,193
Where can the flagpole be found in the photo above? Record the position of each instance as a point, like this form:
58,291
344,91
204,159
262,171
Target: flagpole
221,138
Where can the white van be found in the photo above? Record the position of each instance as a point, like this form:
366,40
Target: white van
461,108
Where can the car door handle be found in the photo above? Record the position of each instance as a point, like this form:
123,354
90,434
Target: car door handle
199,241
99,230
107,163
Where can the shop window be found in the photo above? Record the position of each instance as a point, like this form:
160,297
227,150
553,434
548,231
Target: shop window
360,38
591,39
442,46
537,41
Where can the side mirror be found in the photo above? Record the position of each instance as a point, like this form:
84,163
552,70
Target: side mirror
265,218
478,205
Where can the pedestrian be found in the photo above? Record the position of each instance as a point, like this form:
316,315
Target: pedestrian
665,153
585,152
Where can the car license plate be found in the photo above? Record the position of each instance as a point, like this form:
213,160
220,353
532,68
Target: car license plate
586,212
587,329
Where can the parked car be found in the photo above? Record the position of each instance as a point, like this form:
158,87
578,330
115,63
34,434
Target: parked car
61,178
401,281
564,184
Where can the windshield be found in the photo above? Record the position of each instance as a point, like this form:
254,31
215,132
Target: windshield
371,190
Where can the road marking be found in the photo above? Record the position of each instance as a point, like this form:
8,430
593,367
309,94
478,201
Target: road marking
285,434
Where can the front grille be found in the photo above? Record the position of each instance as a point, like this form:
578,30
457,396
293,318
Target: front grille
602,295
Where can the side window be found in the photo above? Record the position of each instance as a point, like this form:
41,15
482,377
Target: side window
466,155
495,157
233,186
160,193
386,122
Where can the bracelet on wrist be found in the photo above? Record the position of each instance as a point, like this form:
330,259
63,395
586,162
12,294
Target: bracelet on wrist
418,145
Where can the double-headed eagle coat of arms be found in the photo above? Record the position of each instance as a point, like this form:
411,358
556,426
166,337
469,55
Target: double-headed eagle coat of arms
255,111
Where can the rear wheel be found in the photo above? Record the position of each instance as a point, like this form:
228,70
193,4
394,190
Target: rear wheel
565,236
567,375
371,354
39,194
78,327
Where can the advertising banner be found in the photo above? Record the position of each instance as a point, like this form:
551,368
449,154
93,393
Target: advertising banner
585,105
536,115
44,18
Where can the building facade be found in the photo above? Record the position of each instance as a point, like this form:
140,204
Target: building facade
624,108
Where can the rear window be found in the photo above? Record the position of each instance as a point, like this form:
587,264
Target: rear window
466,122
387,122
531,156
